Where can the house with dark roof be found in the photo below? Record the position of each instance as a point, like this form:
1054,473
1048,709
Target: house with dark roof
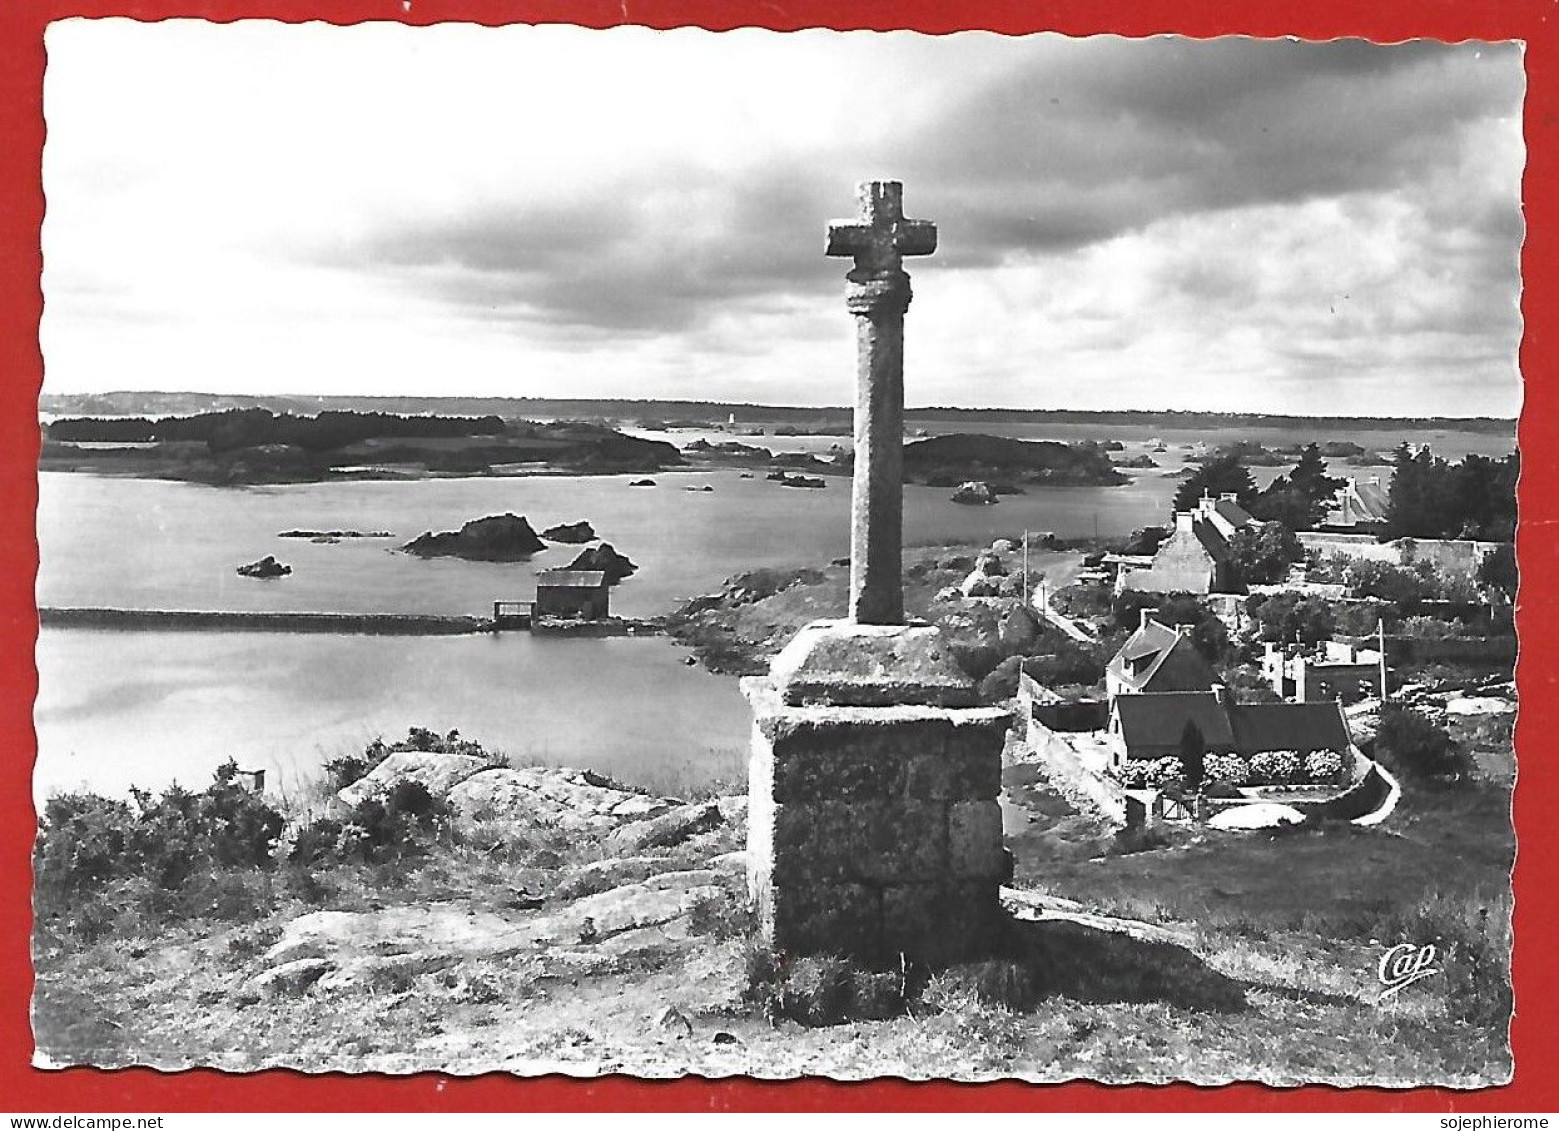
1144,727
1195,558
1157,658
1357,508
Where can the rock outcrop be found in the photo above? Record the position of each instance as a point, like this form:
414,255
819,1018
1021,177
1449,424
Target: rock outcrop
265,567
436,771
572,532
565,799
667,829
496,538
606,559
975,493
669,867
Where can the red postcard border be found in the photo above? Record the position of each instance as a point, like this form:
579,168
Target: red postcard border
1536,1038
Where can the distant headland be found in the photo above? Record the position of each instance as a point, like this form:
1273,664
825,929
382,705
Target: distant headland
828,419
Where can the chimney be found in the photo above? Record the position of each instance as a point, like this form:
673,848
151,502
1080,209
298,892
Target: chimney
1143,616
1220,694
1183,522
1374,481
1230,497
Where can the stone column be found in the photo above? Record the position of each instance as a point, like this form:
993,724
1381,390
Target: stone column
878,302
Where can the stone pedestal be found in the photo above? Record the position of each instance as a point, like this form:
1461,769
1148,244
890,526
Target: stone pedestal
873,824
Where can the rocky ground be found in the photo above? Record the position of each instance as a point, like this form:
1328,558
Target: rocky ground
626,948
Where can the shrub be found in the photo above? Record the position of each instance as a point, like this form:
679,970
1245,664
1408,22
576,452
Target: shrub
1323,766
820,989
1276,767
405,822
1290,616
86,840
1387,582
1228,768
1262,554
1151,773
1067,664
1414,746
102,864
1431,628
997,982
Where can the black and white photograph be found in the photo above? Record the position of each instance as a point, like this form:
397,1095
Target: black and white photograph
835,554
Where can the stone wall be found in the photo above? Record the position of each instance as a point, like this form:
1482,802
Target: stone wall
875,831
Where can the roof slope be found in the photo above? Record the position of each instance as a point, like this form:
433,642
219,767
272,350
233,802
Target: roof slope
1154,722
1157,658
1304,727
571,579
1160,720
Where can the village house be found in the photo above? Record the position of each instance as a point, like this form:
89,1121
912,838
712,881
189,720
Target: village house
1158,683
1145,727
1195,557
1329,670
1157,658
1357,508
572,594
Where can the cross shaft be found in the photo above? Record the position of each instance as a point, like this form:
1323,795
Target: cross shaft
878,294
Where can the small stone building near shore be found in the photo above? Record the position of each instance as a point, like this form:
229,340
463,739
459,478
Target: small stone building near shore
572,594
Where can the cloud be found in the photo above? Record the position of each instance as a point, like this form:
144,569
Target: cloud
1064,145
1256,223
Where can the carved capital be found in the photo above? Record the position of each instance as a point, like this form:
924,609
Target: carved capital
876,293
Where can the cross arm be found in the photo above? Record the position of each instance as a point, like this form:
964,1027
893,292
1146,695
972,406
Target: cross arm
848,237
914,237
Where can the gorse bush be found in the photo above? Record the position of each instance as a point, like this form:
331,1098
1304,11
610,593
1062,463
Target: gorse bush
84,839
100,862
406,821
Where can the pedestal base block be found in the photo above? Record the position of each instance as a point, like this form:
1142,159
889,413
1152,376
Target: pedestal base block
873,829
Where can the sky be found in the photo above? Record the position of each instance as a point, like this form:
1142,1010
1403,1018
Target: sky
1234,224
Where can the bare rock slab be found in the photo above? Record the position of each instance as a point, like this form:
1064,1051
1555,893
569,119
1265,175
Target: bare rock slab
436,772
665,830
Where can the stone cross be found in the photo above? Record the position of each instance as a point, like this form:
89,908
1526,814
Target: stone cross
878,295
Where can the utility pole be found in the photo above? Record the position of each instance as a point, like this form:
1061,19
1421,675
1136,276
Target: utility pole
1380,637
1026,570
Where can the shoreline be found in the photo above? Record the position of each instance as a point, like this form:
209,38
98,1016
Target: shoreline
342,624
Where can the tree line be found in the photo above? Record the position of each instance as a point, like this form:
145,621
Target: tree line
1428,497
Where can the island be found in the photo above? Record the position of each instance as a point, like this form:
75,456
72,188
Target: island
496,538
254,445
960,457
